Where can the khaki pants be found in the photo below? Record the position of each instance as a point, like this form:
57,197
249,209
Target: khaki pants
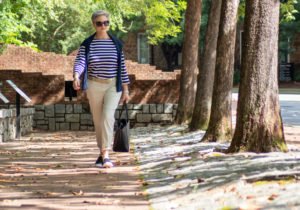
103,100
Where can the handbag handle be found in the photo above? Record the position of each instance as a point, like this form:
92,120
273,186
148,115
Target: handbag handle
126,109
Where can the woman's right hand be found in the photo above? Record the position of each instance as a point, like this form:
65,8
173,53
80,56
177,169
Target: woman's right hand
76,83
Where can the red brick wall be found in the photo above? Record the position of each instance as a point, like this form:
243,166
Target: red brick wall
131,51
27,60
49,89
42,89
130,47
42,77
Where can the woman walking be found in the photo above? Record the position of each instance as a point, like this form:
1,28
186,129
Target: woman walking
100,70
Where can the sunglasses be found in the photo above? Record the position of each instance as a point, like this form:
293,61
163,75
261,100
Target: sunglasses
100,23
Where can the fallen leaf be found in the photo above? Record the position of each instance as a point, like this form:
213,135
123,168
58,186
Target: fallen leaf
145,183
79,193
232,189
272,197
179,176
200,180
250,196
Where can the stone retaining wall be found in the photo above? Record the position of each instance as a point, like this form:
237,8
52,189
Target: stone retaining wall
8,122
78,116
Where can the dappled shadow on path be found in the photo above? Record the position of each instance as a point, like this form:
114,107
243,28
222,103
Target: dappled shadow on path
182,171
56,171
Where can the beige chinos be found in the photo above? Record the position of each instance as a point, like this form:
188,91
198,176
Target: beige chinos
103,99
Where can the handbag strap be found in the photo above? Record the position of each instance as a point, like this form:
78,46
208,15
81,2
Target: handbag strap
126,109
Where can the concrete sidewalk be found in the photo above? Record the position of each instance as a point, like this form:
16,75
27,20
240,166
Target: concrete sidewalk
184,174
56,171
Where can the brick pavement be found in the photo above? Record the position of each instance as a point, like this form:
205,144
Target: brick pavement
56,171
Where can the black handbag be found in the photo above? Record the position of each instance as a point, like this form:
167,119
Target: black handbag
121,139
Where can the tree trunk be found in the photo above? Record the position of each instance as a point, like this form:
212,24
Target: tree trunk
259,125
189,71
220,126
206,75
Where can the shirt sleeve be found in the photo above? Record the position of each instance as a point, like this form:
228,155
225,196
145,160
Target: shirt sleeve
80,61
125,78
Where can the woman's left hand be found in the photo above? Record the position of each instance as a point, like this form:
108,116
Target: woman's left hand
124,98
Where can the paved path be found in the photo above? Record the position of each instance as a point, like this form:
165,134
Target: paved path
56,171
182,173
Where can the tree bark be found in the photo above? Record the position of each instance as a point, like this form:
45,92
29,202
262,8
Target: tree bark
259,125
207,66
220,126
189,71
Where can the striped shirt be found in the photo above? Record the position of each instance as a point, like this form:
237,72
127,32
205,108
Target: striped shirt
103,60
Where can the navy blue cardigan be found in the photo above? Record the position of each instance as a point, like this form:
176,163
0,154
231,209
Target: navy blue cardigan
86,43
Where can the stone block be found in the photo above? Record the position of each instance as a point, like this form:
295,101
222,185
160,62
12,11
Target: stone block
73,118
83,128
146,108
75,126
141,118
138,106
39,115
64,126
2,128
57,126
132,114
86,122
69,108
85,108
60,108
49,111
153,108
160,108
174,112
168,108
59,115
52,124
86,117
39,107
162,117
42,127
59,119
129,106
41,122
77,108
1,114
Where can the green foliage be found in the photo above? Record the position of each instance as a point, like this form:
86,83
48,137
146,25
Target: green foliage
163,19
288,11
61,25
289,27
11,26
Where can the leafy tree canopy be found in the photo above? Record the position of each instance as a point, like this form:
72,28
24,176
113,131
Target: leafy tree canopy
61,25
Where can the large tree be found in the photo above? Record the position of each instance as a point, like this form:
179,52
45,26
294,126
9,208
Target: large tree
189,62
206,74
259,125
220,126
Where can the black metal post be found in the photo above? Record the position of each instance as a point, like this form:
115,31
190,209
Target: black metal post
18,121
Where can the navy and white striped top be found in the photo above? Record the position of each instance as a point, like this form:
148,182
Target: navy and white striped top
103,60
